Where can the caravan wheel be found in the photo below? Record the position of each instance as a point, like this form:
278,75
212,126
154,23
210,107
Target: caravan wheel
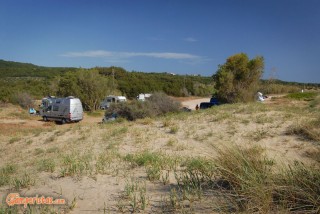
45,118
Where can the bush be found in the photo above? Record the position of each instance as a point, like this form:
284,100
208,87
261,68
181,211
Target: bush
158,104
23,99
130,111
238,78
162,104
269,87
87,84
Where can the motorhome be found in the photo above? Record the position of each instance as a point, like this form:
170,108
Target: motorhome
68,109
111,99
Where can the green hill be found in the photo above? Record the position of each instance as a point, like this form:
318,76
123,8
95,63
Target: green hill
18,70
39,80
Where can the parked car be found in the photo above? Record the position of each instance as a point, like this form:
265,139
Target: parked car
68,109
109,118
213,102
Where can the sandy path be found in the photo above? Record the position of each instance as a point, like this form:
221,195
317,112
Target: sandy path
192,103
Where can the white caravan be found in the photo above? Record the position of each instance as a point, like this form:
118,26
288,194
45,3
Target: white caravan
143,97
111,99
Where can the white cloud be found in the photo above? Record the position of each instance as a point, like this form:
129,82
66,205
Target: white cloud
190,39
97,53
121,55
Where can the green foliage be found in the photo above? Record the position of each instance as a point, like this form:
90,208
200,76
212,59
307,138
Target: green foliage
238,78
10,87
276,87
307,96
88,85
23,70
23,99
40,81
133,83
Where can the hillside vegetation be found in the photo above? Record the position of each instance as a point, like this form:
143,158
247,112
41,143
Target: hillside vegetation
39,81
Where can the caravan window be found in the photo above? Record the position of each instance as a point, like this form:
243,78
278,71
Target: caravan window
55,108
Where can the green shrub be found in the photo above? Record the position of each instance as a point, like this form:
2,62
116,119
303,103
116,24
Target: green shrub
238,78
307,96
271,87
23,99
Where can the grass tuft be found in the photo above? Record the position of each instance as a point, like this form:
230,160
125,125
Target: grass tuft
6,172
75,164
309,130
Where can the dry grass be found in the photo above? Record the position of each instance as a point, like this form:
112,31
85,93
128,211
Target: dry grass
224,159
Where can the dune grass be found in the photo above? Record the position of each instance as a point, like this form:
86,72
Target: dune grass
212,173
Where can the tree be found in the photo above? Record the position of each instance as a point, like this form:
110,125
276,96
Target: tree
88,85
237,80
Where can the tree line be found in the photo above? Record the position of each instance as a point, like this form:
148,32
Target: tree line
237,80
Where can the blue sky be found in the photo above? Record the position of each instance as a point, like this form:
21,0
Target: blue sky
178,36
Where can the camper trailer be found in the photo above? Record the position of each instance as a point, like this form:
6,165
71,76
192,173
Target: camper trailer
111,99
68,109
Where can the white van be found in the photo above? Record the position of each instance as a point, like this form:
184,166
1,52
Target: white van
68,109
111,99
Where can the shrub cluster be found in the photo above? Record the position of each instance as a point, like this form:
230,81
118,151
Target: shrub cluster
269,87
23,99
158,104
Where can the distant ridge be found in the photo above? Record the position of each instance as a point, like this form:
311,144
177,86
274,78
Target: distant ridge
9,64
19,69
